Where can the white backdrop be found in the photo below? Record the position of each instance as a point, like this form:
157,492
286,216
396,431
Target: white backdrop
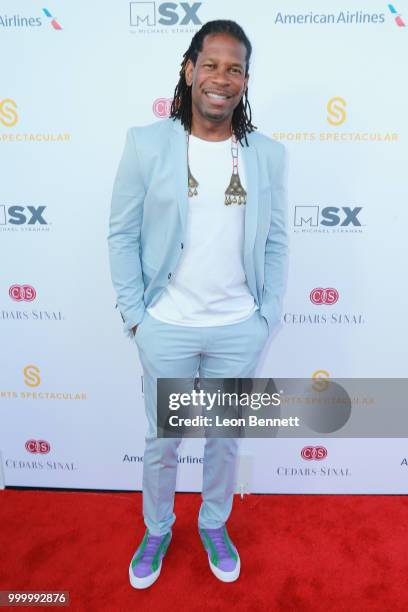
327,80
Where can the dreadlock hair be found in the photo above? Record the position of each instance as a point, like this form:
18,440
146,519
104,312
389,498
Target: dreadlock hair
181,107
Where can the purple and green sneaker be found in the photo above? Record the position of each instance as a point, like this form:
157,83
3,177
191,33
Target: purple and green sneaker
146,563
223,557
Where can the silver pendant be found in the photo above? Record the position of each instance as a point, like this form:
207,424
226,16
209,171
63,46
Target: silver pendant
192,184
235,193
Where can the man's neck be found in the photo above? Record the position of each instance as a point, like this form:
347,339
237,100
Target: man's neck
210,130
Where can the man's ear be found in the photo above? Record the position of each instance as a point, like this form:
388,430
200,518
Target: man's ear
188,72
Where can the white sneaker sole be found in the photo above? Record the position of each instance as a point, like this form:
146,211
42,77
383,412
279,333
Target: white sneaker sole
143,583
226,576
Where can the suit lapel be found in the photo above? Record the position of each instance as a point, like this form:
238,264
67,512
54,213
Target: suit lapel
251,208
178,161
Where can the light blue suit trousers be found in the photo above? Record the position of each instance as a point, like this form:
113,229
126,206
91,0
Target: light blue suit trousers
176,351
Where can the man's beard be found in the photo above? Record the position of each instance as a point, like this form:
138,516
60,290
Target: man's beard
216,117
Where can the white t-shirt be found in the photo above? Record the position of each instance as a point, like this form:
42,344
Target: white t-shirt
208,286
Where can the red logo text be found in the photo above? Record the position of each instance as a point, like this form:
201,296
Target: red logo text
162,106
316,453
327,296
22,293
41,447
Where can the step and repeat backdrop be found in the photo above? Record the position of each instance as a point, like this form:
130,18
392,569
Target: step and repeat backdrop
327,80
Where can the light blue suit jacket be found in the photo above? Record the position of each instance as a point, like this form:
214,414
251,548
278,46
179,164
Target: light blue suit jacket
149,211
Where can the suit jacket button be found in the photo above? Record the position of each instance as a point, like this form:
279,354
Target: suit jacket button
169,275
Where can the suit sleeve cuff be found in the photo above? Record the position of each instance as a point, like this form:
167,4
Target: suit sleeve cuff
130,320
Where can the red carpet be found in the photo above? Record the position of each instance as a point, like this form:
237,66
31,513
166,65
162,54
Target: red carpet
298,552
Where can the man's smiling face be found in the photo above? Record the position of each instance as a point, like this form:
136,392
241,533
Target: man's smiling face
218,79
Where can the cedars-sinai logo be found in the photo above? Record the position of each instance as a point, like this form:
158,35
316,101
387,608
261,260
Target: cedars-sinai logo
397,17
22,293
162,106
320,295
313,453
38,447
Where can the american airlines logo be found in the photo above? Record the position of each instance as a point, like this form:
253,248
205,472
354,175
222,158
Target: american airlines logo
397,17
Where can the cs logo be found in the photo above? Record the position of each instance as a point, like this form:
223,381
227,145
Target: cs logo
8,113
21,293
321,378
327,296
41,447
335,108
310,453
31,376
162,107
145,13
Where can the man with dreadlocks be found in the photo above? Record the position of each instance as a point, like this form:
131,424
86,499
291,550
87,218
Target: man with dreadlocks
198,252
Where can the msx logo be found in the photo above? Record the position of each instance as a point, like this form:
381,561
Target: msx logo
329,216
166,13
21,215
